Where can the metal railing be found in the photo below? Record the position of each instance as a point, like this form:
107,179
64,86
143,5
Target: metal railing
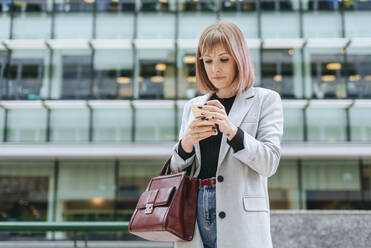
75,227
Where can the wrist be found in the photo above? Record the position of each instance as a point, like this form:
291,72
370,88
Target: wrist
231,132
188,148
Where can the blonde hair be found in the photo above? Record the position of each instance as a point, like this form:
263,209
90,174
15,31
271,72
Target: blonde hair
231,38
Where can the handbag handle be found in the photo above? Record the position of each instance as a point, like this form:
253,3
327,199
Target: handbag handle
166,167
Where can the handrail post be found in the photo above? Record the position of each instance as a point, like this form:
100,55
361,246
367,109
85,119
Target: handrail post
74,240
86,239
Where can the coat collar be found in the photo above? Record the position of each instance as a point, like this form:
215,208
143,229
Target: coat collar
241,106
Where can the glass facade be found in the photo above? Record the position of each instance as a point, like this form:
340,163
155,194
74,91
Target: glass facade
120,71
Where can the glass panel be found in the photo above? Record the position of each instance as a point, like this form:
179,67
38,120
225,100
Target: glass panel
2,123
31,15
3,77
242,13
331,185
111,14
72,74
134,177
366,183
293,125
112,125
156,19
70,125
321,18
283,14
187,73
113,74
28,74
360,124
326,124
26,191
356,22
27,125
160,128
86,191
277,72
157,73
73,19
326,69
283,186
5,6
194,17
358,72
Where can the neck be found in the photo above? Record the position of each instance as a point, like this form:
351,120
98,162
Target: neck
227,94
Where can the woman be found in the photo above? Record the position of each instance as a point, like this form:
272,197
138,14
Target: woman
233,147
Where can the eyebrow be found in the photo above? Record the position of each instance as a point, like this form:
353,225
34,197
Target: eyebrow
218,54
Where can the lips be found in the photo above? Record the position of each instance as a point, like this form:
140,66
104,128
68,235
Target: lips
218,78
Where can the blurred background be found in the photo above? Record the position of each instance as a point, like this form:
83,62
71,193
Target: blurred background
92,93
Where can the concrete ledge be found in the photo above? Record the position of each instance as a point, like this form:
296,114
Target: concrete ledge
321,229
162,150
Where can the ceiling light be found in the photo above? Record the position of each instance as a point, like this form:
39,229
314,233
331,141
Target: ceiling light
123,80
162,1
328,78
160,67
354,77
140,79
291,51
89,1
97,200
189,59
191,79
157,79
277,78
368,77
333,66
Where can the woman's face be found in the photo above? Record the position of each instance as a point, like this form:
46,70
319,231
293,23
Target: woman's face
220,69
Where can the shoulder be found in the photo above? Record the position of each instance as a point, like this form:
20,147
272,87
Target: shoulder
266,95
196,100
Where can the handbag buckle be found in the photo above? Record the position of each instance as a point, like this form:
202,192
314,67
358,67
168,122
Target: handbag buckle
149,209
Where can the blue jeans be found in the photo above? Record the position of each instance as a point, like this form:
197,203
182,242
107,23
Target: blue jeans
206,215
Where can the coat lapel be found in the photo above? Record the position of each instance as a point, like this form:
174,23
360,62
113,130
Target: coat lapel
241,106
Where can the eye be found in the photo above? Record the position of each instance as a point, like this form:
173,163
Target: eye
224,60
208,61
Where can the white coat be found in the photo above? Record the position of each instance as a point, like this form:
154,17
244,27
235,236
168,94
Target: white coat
243,194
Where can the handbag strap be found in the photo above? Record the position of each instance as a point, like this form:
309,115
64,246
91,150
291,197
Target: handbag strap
166,168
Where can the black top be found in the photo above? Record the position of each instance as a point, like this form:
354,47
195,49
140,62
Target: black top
210,147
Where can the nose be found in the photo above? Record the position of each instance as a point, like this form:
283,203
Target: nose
216,67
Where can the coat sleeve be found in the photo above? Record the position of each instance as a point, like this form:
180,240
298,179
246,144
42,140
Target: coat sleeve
177,163
262,154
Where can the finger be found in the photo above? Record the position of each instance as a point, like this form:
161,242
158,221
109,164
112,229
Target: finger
210,108
215,103
203,129
214,116
206,135
203,122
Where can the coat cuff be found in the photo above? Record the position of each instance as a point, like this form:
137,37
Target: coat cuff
177,163
237,142
183,154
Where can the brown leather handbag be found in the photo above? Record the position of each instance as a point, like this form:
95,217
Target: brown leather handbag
166,211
